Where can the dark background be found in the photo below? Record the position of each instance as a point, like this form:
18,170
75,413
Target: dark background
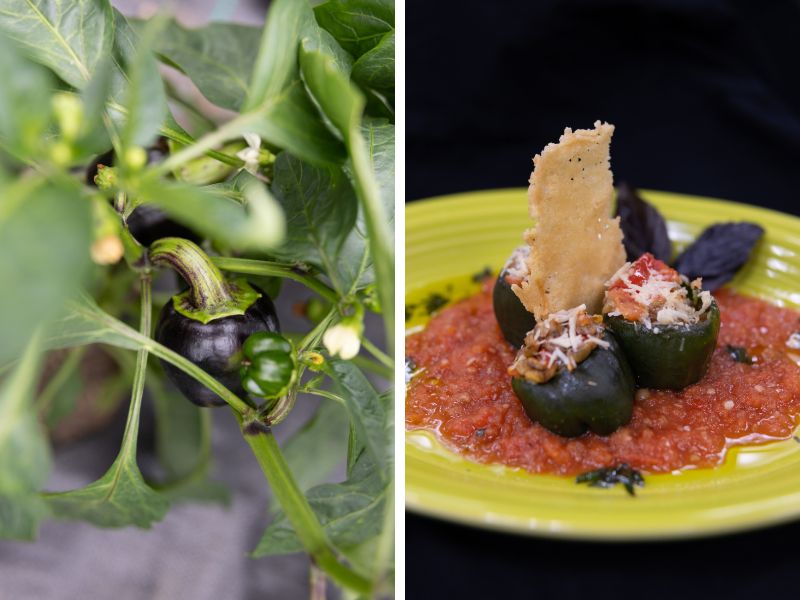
706,100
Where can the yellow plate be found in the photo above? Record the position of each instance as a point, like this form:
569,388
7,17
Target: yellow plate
449,239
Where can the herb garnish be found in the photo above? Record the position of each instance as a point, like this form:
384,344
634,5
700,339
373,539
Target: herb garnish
410,311
643,226
435,302
411,368
481,275
719,252
739,354
608,477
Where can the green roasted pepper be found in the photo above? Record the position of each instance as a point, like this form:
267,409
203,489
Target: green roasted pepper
571,375
512,317
596,396
666,325
668,356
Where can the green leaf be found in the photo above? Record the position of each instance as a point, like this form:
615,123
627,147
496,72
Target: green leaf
218,58
368,412
183,445
24,451
351,512
94,136
342,103
276,63
144,98
69,36
258,224
290,120
118,499
358,25
375,69
339,100
182,442
321,210
25,111
20,515
44,256
379,136
319,446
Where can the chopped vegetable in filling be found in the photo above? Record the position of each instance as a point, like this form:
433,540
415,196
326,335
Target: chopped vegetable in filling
649,291
562,340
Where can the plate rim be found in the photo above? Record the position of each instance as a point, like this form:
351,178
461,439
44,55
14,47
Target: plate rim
415,498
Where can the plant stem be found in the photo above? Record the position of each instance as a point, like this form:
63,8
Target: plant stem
317,583
312,338
247,266
208,287
324,394
377,352
298,510
188,141
377,226
132,424
205,144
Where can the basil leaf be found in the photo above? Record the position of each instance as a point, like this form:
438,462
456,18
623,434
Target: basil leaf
719,253
69,36
643,227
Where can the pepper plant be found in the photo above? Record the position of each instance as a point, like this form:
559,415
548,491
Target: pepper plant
100,187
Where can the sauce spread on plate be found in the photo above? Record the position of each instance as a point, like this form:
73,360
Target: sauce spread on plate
461,390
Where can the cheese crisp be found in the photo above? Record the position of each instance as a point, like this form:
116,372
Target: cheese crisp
575,246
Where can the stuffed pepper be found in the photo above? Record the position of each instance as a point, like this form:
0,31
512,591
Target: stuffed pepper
512,317
572,376
667,325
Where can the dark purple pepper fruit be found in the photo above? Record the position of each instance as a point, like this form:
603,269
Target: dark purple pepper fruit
215,347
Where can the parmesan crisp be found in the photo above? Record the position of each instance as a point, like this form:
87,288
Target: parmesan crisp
575,245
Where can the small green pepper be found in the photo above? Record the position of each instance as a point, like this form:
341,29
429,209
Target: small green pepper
597,396
512,317
269,365
668,356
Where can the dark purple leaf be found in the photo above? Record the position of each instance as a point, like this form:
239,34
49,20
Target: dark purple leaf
642,225
719,253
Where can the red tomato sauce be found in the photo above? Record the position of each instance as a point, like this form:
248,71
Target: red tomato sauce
462,391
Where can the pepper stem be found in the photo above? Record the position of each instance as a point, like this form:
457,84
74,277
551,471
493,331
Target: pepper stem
209,295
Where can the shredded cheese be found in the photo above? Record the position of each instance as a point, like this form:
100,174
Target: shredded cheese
562,340
661,297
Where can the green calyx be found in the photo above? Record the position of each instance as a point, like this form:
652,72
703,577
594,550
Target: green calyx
210,296
270,365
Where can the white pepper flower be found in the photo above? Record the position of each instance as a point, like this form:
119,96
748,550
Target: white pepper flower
252,153
343,340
